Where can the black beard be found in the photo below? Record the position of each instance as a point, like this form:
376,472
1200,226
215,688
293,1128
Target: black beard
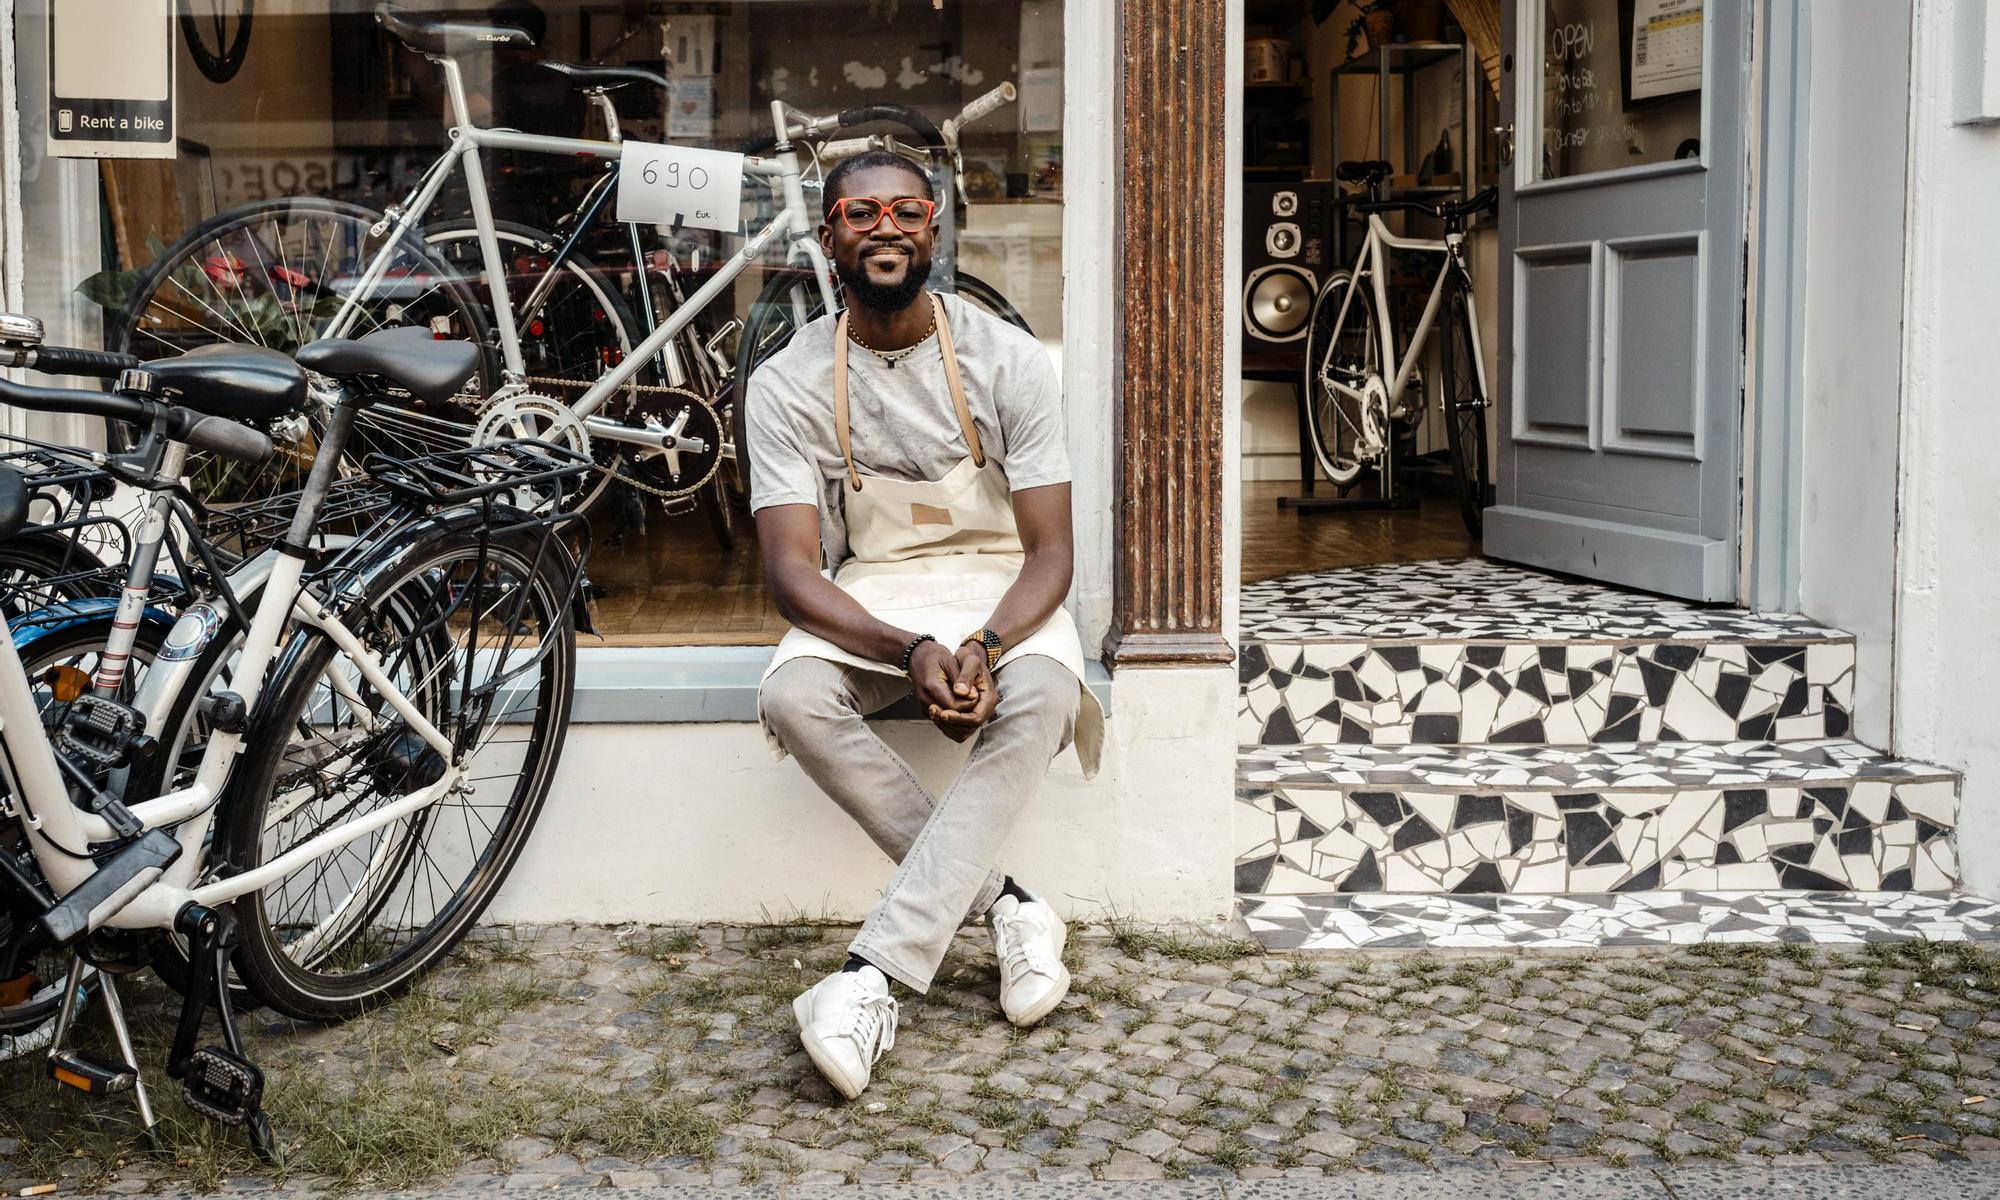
896,297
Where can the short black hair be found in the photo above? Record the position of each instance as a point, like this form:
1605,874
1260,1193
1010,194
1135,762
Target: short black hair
861,162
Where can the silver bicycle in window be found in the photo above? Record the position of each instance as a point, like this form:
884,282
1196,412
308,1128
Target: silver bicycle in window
565,366
1362,383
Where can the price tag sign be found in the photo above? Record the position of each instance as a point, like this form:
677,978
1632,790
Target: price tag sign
662,185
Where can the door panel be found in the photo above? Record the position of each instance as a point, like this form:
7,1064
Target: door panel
1621,292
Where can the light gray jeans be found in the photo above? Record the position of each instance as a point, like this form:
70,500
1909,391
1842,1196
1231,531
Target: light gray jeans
948,847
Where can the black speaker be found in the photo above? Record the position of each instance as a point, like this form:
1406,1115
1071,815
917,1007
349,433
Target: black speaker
1287,241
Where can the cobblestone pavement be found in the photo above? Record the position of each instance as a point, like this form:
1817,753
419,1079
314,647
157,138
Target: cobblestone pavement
667,1056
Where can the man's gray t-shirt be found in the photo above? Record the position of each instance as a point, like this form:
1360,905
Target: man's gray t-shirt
901,420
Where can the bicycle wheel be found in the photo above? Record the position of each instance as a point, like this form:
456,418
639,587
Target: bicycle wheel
481,641
276,274
984,295
1465,407
1342,346
579,329
34,991
41,569
781,309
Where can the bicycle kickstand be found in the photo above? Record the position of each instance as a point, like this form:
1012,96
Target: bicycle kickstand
87,1072
219,1082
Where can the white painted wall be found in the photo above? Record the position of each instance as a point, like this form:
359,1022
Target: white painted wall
1854,200
1947,630
669,823
1090,305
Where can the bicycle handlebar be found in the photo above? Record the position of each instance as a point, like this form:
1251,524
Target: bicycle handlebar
68,360
931,136
201,431
1486,200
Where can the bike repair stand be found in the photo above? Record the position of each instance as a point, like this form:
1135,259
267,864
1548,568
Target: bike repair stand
1389,494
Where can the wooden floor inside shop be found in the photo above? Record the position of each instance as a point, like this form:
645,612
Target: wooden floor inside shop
1280,541
673,585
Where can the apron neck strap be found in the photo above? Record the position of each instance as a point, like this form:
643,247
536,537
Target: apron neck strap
952,378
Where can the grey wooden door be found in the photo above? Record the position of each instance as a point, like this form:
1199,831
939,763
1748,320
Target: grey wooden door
1621,276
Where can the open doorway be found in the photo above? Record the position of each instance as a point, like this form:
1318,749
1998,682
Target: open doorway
1347,105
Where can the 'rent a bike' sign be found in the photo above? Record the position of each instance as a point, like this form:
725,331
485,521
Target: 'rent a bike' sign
111,79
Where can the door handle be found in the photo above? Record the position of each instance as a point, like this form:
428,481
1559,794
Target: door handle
1506,135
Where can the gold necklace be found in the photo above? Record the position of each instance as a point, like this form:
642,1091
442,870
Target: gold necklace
890,357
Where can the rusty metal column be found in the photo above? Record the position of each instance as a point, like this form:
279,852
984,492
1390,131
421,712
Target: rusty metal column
1167,570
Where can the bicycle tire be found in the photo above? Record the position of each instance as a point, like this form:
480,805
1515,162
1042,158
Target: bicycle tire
31,556
216,67
1332,419
564,364
68,646
1465,416
984,295
165,315
264,960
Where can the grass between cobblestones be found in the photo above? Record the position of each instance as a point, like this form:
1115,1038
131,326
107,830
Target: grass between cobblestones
668,1055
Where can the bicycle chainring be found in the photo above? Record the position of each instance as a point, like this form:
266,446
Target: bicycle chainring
527,415
697,430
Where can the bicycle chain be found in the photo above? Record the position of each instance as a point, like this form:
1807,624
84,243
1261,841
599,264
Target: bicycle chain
630,480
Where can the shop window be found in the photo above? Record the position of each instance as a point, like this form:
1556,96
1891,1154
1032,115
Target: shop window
266,220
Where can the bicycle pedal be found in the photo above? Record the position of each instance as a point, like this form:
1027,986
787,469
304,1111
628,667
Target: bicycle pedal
90,1074
223,1086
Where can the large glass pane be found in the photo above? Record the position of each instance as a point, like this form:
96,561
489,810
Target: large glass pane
296,137
1621,84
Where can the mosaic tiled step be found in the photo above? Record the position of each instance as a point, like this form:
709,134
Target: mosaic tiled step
1473,651
1566,693
1471,599
1817,816
1335,922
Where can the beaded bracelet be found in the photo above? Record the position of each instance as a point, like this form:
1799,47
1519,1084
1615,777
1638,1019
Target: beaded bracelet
911,649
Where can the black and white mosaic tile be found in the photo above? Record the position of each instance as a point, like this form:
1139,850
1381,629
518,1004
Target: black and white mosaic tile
1570,693
1642,765
1672,917
1884,825
1476,600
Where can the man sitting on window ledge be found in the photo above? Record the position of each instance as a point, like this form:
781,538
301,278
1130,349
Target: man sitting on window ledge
914,444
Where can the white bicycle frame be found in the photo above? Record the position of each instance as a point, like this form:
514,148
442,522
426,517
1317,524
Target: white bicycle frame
794,225
60,833
1372,263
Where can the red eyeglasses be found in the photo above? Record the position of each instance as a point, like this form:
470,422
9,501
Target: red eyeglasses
911,214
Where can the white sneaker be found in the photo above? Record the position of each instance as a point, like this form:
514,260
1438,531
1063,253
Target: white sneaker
847,1022
1028,940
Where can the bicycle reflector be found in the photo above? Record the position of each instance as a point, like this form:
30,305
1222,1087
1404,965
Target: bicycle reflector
65,684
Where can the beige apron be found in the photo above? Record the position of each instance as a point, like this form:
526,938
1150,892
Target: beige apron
936,557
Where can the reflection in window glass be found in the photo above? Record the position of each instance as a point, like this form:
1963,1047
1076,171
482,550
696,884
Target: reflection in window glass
329,119
1621,84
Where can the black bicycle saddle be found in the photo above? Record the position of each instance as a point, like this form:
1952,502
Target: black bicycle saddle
432,35
409,357
243,383
1362,170
587,76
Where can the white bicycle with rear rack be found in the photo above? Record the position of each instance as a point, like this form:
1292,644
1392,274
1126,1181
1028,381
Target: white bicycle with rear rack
332,760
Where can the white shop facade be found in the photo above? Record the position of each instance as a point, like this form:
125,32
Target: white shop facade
1818,321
